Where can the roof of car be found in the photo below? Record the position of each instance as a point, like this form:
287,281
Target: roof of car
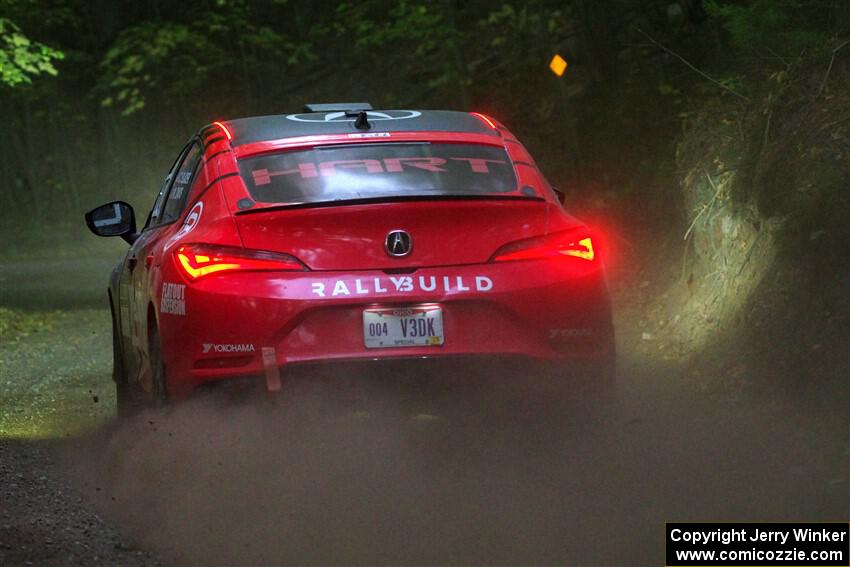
264,128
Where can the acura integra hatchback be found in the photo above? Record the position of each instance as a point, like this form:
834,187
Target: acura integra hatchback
346,234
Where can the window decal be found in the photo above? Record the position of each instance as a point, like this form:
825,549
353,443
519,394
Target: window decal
378,170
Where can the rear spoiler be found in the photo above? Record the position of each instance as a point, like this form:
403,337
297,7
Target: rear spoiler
385,199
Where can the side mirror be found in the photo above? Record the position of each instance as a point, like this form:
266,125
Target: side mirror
113,219
559,193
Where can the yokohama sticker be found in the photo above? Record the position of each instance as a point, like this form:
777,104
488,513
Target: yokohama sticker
402,284
228,348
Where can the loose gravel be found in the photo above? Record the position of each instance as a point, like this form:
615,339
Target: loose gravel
44,521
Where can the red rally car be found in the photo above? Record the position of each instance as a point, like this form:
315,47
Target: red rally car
345,233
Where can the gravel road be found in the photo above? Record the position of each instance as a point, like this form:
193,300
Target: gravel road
45,521
54,384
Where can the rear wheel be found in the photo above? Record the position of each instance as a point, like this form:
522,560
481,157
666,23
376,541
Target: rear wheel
126,399
159,393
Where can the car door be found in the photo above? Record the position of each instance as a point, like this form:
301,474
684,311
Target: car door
138,263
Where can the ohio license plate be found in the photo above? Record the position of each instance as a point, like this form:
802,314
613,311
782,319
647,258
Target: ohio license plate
401,327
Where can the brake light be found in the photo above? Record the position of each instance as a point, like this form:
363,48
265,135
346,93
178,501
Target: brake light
571,243
199,260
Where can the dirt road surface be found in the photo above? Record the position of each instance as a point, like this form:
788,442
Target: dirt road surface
300,480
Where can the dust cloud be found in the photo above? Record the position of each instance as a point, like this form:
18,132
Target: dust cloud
379,477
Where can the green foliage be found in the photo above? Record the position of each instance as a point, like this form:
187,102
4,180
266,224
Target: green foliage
151,54
180,60
442,52
21,58
420,26
786,26
508,27
415,39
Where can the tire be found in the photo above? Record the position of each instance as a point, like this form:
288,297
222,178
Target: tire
126,400
159,394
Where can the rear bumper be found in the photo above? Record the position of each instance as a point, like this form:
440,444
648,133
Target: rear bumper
547,311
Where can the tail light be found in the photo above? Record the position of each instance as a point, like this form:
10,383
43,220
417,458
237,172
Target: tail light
576,244
199,260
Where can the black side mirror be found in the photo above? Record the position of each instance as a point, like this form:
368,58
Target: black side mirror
559,193
113,219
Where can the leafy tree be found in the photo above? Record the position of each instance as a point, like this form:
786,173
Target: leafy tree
21,58
151,55
414,39
226,46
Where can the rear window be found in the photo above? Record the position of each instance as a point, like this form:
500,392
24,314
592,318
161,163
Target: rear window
378,170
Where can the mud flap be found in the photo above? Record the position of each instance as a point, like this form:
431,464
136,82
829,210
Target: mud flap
272,371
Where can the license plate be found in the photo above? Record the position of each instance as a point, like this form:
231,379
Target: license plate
403,327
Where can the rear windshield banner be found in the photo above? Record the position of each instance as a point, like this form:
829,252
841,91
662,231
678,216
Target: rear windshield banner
378,170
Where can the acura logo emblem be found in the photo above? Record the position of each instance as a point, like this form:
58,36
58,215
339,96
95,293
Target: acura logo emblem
398,243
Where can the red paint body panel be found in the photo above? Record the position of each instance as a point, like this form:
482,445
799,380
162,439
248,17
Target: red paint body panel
351,237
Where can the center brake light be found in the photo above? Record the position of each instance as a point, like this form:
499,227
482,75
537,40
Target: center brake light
572,243
199,260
